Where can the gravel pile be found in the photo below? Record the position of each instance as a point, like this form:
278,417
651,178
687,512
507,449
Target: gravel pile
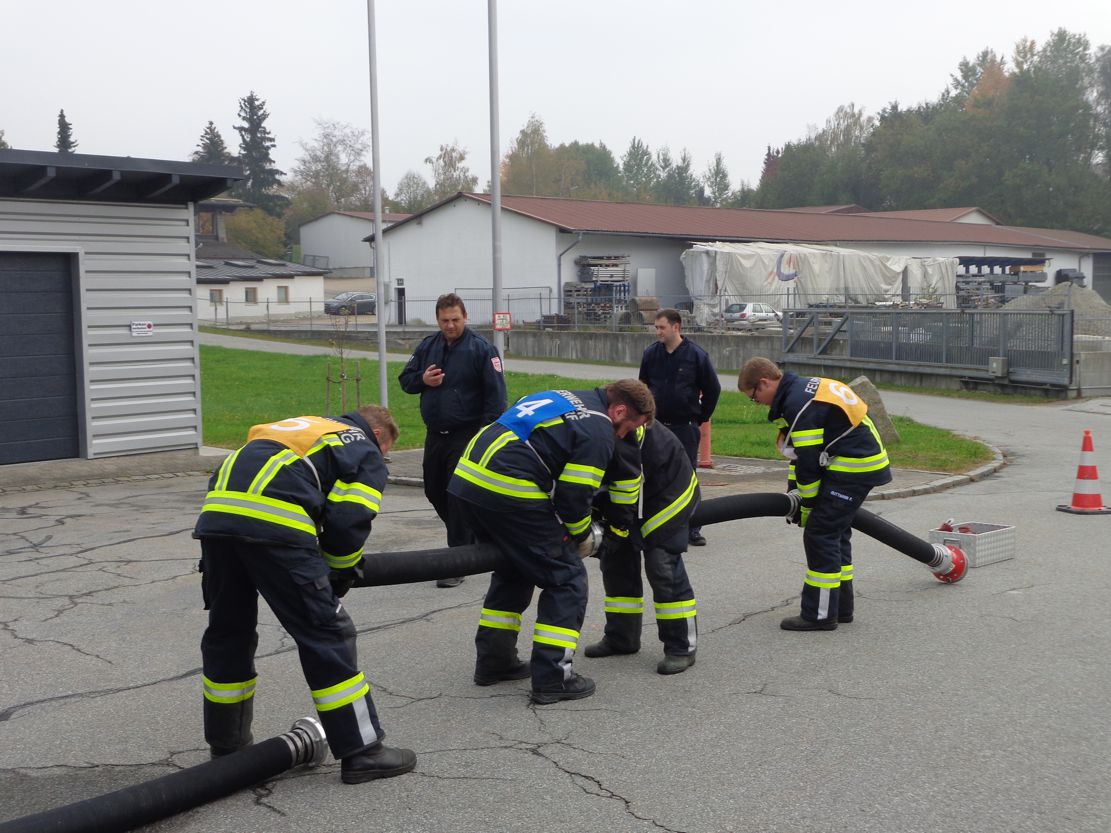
1092,313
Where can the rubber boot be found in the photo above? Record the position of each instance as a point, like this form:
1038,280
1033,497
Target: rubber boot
227,726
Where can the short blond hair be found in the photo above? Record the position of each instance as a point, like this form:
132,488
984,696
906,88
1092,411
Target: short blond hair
754,370
635,395
377,416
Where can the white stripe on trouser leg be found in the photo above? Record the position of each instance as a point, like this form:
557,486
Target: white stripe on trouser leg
823,603
565,664
362,716
692,633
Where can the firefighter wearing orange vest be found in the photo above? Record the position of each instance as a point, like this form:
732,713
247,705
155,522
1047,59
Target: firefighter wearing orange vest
286,517
836,457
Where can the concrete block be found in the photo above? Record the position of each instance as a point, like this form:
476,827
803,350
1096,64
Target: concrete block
876,409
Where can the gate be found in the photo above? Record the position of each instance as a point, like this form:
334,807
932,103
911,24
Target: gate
1035,346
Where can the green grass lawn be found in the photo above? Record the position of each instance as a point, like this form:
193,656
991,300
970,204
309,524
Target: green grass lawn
241,388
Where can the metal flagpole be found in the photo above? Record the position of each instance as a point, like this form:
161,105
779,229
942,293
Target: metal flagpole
380,300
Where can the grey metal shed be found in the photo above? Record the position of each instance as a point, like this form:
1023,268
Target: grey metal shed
98,334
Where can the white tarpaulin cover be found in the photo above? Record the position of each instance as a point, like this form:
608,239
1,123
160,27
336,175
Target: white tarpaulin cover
798,275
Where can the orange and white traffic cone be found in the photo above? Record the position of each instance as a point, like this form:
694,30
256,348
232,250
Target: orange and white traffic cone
1086,497
705,461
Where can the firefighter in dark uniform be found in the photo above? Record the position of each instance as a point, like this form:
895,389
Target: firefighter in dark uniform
837,457
685,386
670,495
286,517
528,481
458,375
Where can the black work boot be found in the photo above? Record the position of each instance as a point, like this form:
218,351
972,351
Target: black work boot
227,726
518,670
575,688
377,761
604,648
797,623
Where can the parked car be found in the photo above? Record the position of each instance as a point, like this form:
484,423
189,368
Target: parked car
352,303
750,316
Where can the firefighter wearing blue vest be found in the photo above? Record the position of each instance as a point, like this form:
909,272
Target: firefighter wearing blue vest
527,482
669,494
286,517
836,457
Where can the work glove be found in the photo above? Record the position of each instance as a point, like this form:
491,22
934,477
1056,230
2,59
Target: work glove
800,513
343,580
587,543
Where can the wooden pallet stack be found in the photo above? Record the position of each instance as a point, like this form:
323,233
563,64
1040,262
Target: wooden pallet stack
601,290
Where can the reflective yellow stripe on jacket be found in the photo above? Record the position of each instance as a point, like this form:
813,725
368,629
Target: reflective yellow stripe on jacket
260,508
671,510
859,465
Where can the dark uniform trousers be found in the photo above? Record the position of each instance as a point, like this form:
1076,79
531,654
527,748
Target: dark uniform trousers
828,589
690,436
442,451
294,582
540,555
667,576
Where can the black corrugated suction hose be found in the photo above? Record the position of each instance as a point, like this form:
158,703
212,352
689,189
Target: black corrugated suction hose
447,562
144,803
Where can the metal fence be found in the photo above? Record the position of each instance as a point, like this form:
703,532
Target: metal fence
1033,347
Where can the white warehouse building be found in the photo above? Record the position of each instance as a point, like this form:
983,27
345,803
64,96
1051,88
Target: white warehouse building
549,243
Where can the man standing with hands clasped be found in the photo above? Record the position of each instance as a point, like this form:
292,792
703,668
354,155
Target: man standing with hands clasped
458,375
685,386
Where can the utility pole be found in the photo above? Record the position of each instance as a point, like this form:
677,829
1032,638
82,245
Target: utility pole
495,176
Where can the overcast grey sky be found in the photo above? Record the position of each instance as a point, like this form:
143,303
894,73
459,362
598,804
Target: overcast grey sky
143,78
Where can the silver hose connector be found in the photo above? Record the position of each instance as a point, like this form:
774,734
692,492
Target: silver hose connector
307,742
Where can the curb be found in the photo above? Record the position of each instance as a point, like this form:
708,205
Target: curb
999,460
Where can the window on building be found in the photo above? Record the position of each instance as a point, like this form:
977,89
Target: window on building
250,294
283,294
216,297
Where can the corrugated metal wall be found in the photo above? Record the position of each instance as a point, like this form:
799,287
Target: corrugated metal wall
141,393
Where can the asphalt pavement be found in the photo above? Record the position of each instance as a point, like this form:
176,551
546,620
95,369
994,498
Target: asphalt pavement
980,706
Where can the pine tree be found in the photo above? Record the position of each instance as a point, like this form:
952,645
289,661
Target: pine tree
3,143
211,148
255,143
65,142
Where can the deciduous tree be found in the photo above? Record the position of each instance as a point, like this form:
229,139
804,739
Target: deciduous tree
335,162
254,229
412,193
449,171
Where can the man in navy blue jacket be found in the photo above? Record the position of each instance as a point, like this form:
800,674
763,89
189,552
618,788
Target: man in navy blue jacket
458,375
685,386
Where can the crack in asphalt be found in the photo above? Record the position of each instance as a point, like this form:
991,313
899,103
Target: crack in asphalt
590,784
9,629
793,600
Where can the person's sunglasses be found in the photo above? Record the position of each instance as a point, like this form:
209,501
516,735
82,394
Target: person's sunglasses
752,393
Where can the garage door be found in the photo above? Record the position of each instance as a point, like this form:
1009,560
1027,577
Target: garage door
38,376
